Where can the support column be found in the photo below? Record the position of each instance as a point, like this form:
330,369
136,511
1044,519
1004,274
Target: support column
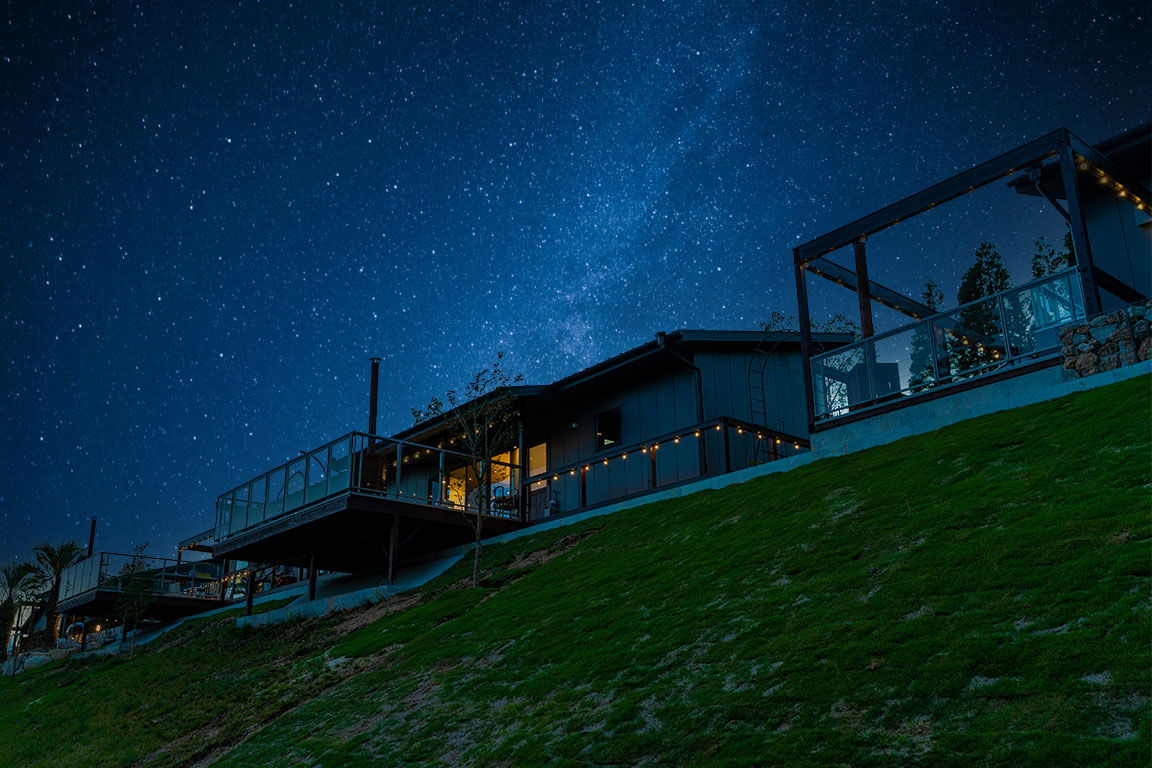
805,349
249,593
393,548
863,291
312,577
1084,264
727,451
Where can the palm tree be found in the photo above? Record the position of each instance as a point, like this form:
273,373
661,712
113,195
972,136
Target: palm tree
13,578
50,564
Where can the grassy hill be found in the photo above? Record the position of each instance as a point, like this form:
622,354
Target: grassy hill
975,596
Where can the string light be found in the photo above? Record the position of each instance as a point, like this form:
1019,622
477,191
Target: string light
677,440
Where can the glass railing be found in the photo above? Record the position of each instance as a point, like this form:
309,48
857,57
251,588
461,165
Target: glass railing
371,466
975,339
109,570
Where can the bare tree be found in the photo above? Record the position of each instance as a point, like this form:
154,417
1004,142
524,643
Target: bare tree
135,592
484,421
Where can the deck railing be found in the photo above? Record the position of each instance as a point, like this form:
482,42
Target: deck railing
712,447
108,571
991,334
367,465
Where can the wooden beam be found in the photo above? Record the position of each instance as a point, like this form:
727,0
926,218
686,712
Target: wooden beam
946,190
863,299
1079,229
312,577
1104,163
1120,289
805,320
830,270
393,548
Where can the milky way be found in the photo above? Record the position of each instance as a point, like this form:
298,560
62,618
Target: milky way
213,218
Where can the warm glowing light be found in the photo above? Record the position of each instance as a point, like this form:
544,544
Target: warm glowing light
571,471
624,457
555,477
777,441
676,440
644,449
717,427
697,433
605,462
739,431
1123,193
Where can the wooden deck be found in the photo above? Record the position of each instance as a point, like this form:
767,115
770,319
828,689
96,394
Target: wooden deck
354,532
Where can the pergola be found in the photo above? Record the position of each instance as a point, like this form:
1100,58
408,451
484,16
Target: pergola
1063,178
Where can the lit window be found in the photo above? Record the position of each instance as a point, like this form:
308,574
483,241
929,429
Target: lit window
538,459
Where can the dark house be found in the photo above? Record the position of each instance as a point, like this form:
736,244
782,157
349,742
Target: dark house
1101,192
683,406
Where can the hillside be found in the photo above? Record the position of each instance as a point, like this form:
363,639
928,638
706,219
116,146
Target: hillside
975,596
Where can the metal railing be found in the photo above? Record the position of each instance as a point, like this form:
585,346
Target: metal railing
109,570
367,465
1000,331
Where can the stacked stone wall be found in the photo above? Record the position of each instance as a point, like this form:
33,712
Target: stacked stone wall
1111,340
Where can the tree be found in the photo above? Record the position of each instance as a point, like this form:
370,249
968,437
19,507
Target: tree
1047,260
970,344
135,592
50,564
485,420
778,322
923,366
14,579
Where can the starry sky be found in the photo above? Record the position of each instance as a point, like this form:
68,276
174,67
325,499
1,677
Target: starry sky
213,214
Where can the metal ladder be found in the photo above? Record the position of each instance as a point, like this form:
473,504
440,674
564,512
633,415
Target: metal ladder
757,397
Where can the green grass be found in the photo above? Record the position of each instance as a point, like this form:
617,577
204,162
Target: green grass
976,596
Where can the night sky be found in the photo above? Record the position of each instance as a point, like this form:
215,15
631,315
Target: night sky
213,218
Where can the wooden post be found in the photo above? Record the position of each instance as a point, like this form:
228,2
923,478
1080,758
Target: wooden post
393,548
727,451
312,577
250,593
1084,264
863,289
583,486
805,347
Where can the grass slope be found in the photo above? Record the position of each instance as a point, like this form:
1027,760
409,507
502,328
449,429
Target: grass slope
976,596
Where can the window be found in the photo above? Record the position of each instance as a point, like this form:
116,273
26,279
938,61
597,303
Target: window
608,429
538,459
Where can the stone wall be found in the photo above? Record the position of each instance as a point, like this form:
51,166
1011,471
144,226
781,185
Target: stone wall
1111,340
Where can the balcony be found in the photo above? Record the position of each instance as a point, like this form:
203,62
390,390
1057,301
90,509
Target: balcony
92,586
350,490
991,335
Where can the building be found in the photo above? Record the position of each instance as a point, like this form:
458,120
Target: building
1101,192
685,405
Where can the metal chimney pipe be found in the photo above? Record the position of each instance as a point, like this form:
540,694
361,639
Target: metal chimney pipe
92,537
372,396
